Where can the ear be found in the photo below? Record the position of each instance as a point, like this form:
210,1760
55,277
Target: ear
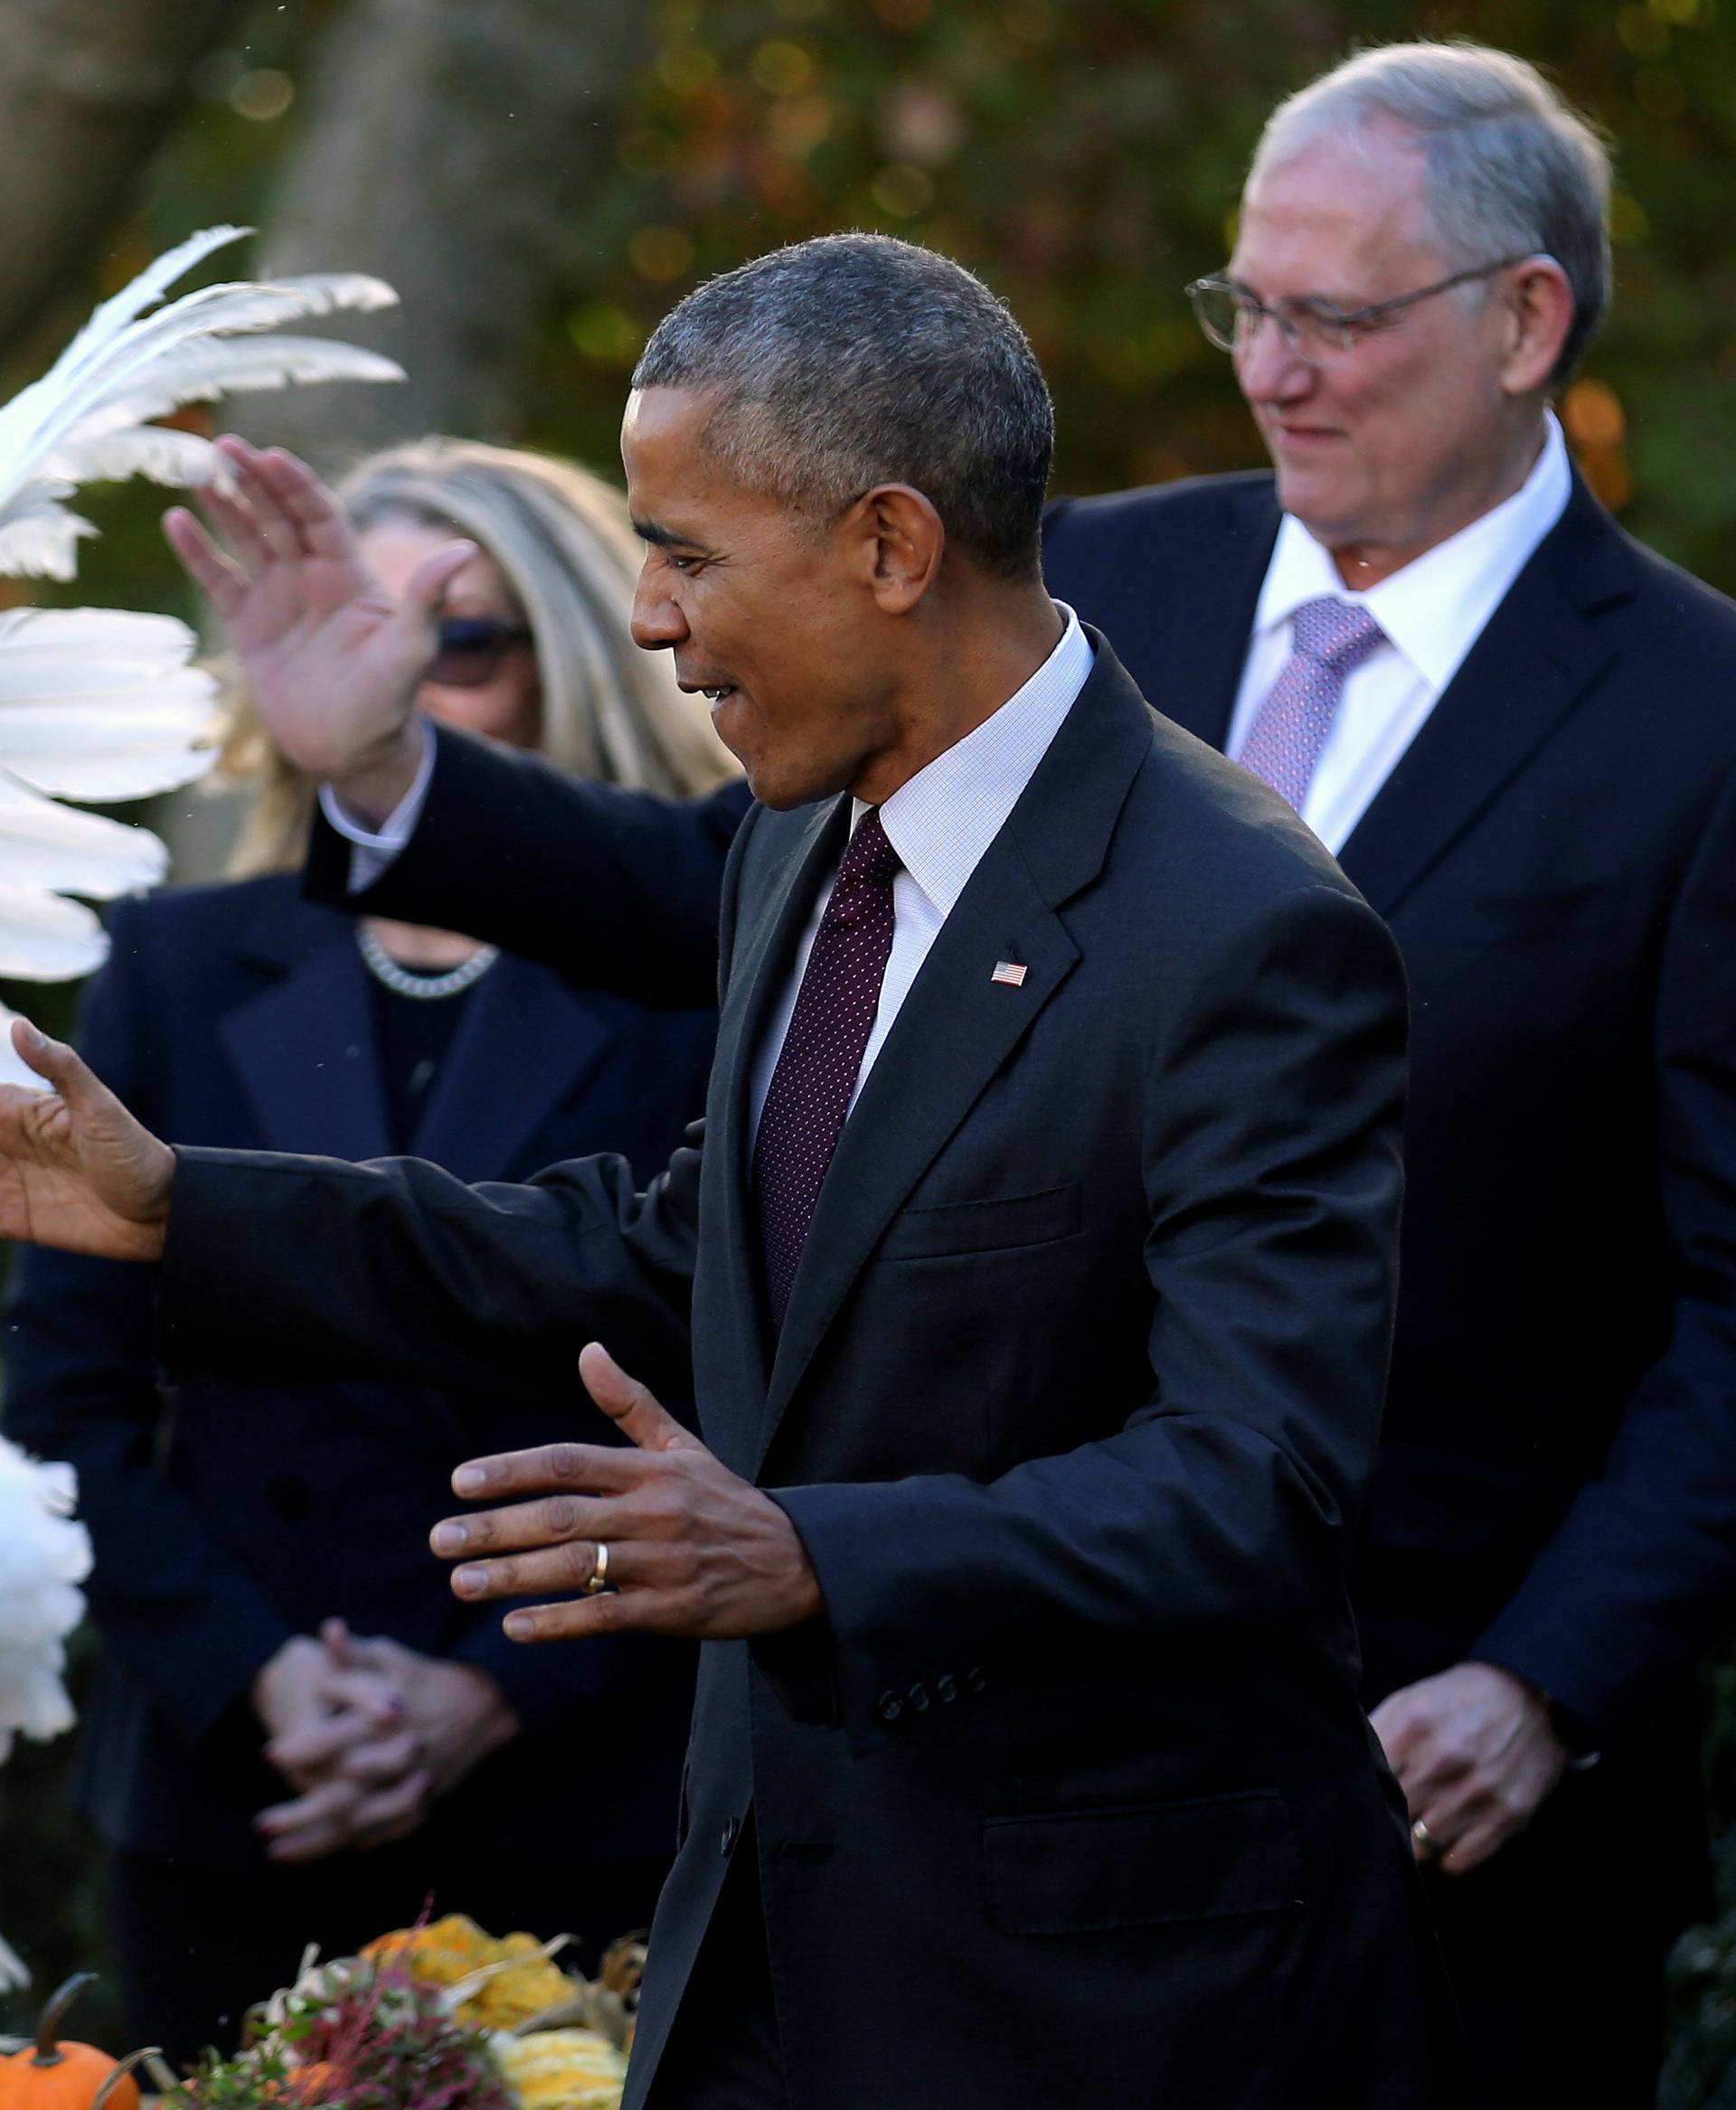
899,542
1540,314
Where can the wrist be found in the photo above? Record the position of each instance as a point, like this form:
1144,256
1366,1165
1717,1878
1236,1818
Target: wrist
159,1191
380,778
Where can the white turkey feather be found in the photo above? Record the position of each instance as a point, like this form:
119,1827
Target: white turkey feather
44,938
44,1556
33,640
40,538
140,771
86,417
157,451
102,705
233,307
142,291
195,374
79,720
95,704
47,844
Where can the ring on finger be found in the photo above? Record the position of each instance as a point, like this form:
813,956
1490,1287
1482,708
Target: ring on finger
1424,1841
599,1581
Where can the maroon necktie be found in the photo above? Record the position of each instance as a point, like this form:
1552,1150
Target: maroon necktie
810,1088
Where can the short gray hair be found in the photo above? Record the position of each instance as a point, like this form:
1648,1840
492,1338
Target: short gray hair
856,360
1510,168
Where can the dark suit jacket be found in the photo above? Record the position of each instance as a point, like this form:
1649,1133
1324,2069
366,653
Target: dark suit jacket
1556,855
228,1516
1070,1799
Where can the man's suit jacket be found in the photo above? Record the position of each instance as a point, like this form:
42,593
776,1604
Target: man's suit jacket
240,1014
1070,1798
1556,857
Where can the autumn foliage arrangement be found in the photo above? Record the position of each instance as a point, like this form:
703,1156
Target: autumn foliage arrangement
361,2033
439,2016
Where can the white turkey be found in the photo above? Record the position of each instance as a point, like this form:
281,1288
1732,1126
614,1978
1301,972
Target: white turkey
99,706
96,706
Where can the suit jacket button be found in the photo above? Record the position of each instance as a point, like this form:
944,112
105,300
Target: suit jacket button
974,1681
890,1705
727,1838
946,1688
918,1698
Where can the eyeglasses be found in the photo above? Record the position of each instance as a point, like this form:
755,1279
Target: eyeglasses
1314,331
471,648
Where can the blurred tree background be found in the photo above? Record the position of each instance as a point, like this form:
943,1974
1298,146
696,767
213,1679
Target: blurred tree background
541,180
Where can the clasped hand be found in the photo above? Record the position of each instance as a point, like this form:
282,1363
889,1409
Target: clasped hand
692,1549
1477,1754
371,1733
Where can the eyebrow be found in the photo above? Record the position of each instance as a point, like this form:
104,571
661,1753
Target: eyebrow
1296,300
660,537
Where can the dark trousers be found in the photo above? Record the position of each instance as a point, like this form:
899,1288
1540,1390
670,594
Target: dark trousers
198,1947
1556,1951
1556,1947
723,2052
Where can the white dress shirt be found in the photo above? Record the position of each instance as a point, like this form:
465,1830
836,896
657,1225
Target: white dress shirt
940,822
1432,612
372,850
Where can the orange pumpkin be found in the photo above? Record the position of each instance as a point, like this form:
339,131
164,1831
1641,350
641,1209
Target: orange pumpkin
54,2074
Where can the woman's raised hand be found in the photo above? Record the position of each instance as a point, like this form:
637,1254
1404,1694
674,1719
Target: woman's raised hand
332,661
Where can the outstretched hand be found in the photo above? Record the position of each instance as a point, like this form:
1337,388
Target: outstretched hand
692,1549
76,1169
332,661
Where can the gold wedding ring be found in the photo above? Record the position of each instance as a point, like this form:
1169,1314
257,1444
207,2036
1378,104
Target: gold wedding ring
599,1574
1424,1839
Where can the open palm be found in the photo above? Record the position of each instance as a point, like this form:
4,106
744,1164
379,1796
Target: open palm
332,660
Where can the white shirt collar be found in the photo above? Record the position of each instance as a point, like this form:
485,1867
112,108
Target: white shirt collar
1434,609
943,817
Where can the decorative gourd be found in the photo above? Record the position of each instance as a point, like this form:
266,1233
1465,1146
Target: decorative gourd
56,2075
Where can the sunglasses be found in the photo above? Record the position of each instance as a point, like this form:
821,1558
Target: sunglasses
471,648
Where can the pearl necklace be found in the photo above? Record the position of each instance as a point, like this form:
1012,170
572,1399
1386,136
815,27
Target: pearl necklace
421,988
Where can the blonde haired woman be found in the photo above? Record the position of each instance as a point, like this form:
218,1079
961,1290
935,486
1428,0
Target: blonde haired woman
301,1735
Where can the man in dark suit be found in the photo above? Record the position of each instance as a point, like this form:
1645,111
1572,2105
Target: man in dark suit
1529,770
1532,775
1036,1275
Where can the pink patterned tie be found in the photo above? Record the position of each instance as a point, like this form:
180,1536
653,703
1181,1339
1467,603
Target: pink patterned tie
811,1087
1330,639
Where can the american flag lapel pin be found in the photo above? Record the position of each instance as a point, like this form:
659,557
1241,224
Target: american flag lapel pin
1010,972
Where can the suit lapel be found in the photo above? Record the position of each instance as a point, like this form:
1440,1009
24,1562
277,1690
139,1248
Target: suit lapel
1537,655
958,1026
523,1045
760,975
1194,670
303,1048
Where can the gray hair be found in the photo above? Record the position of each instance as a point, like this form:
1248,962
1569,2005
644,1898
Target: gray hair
856,360
1510,168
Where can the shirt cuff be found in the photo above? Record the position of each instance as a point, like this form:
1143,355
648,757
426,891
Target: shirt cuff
373,850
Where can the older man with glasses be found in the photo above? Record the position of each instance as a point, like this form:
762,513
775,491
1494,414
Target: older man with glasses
1513,725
